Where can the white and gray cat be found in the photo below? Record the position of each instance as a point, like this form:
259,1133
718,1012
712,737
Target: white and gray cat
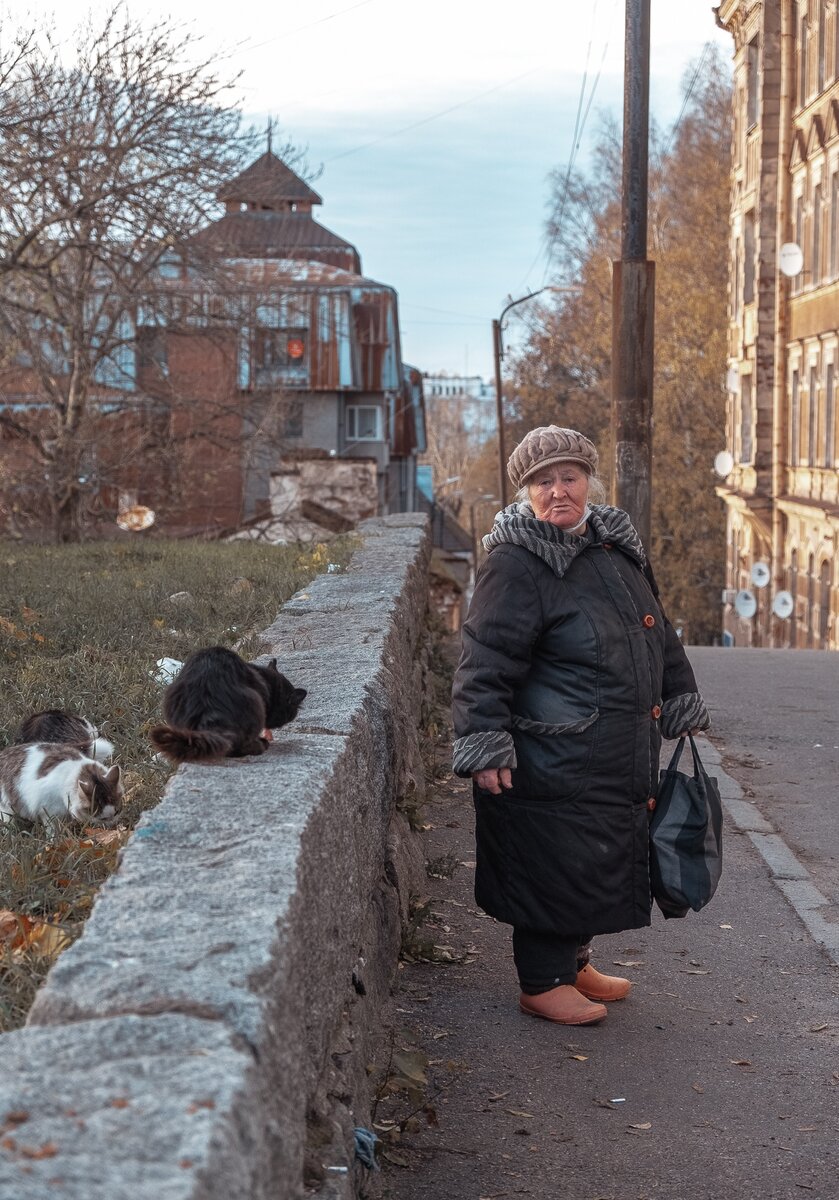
55,770
49,781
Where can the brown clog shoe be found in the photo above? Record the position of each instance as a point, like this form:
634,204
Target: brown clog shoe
563,1004
595,986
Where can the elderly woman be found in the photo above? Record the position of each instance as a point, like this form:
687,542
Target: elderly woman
570,674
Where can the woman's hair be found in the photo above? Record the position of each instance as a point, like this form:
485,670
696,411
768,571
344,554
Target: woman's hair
596,491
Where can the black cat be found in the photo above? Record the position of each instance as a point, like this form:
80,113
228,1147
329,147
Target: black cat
221,705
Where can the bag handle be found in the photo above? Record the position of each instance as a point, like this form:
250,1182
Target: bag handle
698,769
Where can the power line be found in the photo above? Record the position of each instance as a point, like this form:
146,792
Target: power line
434,116
287,33
706,49
578,137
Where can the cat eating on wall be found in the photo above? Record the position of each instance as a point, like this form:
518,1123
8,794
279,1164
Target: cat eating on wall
48,781
221,706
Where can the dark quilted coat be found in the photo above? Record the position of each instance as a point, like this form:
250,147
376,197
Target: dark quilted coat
575,668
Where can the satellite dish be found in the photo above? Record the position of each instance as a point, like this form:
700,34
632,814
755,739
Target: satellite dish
791,259
724,463
732,379
136,518
783,604
745,604
761,574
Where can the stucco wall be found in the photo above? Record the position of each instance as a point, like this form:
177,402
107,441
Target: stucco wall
207,1037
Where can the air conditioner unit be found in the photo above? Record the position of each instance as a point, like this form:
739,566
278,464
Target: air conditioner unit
728,595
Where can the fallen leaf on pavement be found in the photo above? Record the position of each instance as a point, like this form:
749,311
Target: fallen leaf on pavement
497,1096
579,1057
698,1088
819,1028
694,971
644,1125
517,1112
628,962
740,1062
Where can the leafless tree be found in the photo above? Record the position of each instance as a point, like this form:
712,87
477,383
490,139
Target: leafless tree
110,157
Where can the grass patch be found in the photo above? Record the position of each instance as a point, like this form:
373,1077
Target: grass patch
81,628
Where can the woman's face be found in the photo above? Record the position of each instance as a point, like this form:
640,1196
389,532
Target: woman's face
559,493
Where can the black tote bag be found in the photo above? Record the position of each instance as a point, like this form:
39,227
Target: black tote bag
685,837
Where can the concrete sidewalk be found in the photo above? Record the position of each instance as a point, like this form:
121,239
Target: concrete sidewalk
719,1076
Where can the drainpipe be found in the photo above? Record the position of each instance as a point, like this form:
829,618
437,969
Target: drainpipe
779,629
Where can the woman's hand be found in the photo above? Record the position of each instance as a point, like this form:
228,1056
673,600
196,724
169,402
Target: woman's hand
493,779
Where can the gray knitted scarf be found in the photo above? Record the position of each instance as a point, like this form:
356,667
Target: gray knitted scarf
517,525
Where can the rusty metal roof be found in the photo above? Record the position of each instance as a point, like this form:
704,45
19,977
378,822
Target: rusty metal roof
277,235
267,181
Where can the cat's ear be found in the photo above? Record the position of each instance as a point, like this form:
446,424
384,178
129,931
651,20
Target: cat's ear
273,663
113,775
299,695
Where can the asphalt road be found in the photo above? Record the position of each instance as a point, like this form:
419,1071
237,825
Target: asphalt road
775,718
718,1076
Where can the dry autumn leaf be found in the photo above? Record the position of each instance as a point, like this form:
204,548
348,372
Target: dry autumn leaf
643,1125
628,962
579,1057
48,1150
14,929
517,1112
740,1062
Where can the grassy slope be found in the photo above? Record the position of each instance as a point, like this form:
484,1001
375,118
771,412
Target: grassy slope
81,628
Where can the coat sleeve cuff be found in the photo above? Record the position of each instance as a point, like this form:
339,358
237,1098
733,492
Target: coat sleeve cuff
681,714
478,751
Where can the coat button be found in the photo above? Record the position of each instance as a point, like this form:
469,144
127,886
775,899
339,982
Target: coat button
656,712
651,804
649,620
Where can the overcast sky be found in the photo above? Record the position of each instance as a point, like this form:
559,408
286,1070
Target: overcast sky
450,212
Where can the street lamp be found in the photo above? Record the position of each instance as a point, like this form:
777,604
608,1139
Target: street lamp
498,355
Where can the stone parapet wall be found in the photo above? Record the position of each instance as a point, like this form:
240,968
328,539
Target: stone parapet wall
207,1037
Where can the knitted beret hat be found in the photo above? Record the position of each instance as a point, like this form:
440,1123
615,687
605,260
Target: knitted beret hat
548,445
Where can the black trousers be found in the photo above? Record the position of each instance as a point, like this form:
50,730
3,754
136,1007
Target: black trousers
546,960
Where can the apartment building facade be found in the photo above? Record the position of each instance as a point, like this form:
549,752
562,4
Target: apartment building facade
781,482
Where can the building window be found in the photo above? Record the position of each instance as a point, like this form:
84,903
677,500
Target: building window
746,419
803,88
280,356
812,416
817,234
821,45
291,417
364,423
749,258
830,416
736,287
794,420
793,591
752,81
811,601
824,605
798,235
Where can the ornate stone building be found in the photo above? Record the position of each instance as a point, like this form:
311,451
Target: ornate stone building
782,492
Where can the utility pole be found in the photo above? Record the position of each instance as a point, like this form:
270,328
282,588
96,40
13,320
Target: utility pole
497,355
633,288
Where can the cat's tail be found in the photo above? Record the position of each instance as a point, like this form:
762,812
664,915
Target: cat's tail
190,745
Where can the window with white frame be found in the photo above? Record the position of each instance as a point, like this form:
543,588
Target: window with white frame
812,415
795,419
746,419
364,423
829,415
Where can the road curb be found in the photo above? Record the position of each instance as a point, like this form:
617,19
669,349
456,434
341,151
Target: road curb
787,872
